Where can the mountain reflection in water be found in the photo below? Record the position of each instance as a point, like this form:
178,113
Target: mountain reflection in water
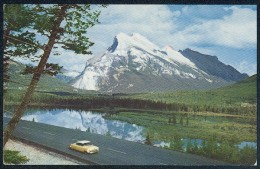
87,121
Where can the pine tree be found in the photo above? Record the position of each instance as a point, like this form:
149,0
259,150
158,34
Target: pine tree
189,148
17,40
181,120
170,120
195,147
70,35
174,121
187,120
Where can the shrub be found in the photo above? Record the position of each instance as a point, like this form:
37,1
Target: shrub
148,140
177,144
247,155
14,157
189,147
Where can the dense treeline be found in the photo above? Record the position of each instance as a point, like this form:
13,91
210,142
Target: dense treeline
106,101
148,104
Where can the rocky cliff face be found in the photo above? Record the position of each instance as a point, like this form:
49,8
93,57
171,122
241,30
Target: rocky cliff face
212,66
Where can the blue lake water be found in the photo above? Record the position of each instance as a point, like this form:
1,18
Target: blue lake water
199,143
90,122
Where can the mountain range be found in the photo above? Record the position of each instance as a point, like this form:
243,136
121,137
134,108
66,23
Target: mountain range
134,64
67,75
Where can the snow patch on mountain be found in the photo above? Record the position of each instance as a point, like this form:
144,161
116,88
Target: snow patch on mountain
90,79
210,81
174,56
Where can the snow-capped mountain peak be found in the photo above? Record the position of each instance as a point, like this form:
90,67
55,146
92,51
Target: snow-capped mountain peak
134,64
123,43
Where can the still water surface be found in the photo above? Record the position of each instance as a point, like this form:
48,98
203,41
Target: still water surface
88,121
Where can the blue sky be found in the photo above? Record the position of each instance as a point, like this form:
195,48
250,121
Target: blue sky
226,31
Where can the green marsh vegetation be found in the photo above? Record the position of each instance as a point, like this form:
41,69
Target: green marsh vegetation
220,134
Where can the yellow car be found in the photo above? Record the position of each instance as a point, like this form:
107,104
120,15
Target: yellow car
84,146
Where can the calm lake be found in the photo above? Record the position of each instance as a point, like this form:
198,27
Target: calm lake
96,122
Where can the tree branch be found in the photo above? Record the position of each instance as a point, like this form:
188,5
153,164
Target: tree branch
18,40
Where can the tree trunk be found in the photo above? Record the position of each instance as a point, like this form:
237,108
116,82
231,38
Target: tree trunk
6,58
6,34
5,70
36,76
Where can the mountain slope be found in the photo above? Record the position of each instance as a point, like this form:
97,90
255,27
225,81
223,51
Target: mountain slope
134,64
212,66
66,75
245,89
238,94
46,83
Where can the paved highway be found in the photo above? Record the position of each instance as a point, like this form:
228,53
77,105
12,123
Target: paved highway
113,151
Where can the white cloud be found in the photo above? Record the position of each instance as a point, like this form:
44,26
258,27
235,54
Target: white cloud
142,14
159,24
69,59
237,30
245,66
152,21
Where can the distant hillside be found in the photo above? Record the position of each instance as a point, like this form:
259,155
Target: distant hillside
243,92
47,83
246,89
